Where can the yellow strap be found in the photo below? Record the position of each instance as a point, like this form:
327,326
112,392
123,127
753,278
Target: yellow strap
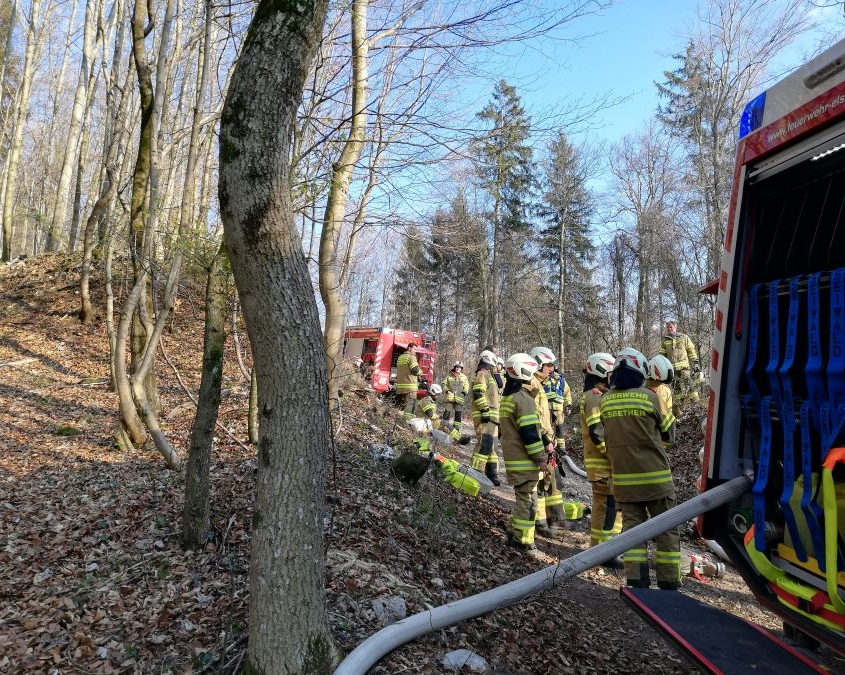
831,527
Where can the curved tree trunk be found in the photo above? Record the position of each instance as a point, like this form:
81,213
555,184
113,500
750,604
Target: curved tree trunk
288,625
101,206
330,284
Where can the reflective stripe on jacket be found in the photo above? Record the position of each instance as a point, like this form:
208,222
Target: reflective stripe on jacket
522,443
457,387
592,436
635,427
544,412
407,370
485,395
679,350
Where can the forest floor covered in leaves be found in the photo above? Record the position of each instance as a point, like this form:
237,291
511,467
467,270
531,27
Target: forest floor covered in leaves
93,578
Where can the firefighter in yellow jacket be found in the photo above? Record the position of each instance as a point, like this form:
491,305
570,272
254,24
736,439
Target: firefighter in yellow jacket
603,517
661,374
407,380
457,389
551,519
636,427
427,409
679,349
525,446
485,417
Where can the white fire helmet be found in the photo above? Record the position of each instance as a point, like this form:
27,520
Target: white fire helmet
521,367
661,369
633,359
543,355
435,389
488,357
599,364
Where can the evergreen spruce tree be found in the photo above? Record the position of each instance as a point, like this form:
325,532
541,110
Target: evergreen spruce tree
566,251
505,170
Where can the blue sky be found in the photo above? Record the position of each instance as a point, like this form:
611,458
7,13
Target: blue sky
621,52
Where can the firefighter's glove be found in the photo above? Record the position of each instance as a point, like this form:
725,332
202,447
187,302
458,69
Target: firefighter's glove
485,417
567,410
550,448
696,367
542,465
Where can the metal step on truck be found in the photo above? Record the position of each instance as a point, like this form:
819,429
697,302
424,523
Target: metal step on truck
777,373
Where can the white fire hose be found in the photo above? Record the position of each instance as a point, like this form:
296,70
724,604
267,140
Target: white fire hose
368,653
575,468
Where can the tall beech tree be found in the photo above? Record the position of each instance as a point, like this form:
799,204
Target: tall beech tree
289,629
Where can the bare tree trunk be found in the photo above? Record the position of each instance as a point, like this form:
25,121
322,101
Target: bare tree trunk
289,631
252,413
20,120
561,294
103,202
196,511
330,286
90,51
7,106
81,166
114,93
137,232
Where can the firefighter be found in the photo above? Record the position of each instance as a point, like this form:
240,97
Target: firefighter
525,448
427,408
457,389
407,380
680,350
561,410
499,375
637,427
603,517
661,373
564,406
551,519
485,417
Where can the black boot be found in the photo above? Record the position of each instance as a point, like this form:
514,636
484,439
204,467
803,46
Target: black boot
614,563
490,472
668,585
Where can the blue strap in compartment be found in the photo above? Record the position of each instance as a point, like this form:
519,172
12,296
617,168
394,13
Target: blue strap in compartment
758,497
787,418
773,365
811,510
753,335
814,376
836,361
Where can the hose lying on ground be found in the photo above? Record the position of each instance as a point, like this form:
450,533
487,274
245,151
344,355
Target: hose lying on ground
365,655
572,465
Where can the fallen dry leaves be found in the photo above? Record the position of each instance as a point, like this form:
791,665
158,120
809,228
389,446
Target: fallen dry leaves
92,577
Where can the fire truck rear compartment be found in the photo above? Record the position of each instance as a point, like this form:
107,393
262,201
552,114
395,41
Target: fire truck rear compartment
791,388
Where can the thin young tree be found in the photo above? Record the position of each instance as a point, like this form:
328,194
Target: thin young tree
87,64
33,21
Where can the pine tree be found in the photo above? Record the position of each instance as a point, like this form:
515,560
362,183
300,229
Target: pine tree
504,167
564,237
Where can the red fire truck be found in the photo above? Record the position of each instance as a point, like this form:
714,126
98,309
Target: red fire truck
379,347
